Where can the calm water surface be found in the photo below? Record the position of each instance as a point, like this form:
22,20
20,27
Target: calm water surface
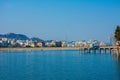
58,65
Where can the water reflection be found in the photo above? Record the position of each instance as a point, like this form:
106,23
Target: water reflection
58,65
118,65
116,56
93,52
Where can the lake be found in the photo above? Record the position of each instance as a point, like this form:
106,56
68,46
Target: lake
58,65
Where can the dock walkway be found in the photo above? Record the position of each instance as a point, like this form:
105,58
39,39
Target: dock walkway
101,49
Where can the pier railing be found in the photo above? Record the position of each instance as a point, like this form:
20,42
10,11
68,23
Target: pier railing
100,49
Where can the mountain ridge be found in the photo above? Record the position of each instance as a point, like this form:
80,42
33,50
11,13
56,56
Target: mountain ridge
18,37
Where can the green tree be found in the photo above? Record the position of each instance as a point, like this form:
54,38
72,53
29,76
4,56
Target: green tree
117,35
117,38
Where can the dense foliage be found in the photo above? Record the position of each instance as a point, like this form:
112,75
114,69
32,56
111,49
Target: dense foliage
117,33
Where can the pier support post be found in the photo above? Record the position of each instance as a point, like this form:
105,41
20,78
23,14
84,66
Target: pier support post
110,50
105,50
100,50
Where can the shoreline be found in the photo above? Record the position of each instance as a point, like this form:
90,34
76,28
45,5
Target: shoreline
42,48
56,48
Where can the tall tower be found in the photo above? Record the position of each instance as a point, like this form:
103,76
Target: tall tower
112,40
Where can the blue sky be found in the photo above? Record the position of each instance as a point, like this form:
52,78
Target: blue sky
60,19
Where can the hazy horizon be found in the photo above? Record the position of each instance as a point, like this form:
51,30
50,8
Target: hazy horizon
60,19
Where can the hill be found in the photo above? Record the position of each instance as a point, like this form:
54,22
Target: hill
14,36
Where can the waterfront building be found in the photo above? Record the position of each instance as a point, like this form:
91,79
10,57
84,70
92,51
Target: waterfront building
4,44
50,43
102,44
84,43
64,43
20,42
93,43
58,44
78,44
32,45
0,40
12,42
39,44
4,39
71,44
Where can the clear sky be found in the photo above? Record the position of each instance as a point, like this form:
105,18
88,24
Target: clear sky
60,19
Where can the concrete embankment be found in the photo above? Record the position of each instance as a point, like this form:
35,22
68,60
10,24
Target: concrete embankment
43,48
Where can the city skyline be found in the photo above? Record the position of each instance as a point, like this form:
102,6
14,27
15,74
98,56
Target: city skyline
60,19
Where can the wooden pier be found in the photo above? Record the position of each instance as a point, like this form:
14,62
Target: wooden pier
102,49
